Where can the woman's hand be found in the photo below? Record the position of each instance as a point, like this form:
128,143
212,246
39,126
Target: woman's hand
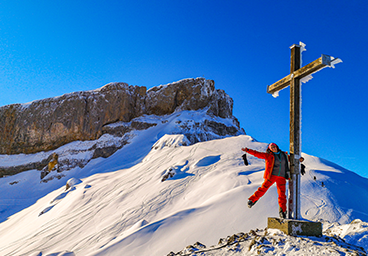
244,149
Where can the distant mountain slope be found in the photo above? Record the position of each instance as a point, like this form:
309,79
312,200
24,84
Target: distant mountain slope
121,206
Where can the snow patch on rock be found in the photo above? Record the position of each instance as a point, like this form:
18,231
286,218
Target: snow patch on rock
171,141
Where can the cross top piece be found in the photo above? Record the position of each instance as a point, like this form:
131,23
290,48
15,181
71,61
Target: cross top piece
304,73
297,76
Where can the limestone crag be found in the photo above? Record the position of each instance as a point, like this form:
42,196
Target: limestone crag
50,123
189,94
47,124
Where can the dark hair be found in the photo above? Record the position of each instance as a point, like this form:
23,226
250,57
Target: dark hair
269,150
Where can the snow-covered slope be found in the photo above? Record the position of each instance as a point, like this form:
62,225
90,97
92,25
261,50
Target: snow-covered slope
121,206
74,156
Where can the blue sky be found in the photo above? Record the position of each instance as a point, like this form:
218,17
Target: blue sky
49,48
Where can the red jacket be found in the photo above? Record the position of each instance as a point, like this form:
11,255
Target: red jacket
269,160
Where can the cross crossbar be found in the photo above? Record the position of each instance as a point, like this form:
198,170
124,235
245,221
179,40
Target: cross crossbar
321,62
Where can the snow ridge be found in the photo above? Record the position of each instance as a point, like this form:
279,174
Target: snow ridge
121,205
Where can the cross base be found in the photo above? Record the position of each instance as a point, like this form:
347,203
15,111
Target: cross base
296,227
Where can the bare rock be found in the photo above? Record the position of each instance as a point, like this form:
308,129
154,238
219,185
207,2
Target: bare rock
45,125
50,123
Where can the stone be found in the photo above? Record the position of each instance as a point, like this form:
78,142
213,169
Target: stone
296,227
53,164
105,152
47,124
72,182
115,110
50,123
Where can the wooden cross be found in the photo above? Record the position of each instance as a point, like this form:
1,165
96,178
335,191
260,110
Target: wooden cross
297,74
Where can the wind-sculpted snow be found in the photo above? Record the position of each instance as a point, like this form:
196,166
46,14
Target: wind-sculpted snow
121,206
171,141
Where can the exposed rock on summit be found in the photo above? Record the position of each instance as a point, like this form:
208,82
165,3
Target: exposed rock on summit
189,94
47,124
107,118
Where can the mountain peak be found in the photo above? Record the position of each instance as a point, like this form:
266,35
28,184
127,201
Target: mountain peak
47,124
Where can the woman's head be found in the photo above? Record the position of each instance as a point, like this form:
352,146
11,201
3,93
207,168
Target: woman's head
272,147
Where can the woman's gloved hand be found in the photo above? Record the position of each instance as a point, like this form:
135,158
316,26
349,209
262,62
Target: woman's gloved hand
245,159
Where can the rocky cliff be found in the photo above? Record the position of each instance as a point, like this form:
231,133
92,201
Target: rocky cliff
47,124
114,111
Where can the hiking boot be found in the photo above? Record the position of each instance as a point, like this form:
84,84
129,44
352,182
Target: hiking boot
250,203
282,213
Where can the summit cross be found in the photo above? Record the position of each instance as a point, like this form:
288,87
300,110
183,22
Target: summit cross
297,75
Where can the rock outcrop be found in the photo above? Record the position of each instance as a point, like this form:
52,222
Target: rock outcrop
47,124
50,123
106,119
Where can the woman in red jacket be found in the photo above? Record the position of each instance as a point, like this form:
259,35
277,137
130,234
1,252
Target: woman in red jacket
277,170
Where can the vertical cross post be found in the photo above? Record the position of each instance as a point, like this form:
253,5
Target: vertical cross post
295,145
297,74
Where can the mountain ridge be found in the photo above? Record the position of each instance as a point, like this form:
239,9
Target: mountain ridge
122,206
162,191
112,110
44,125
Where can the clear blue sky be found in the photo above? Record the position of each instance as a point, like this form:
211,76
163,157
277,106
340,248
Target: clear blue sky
49,48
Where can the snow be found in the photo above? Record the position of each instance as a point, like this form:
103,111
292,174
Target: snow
171,141
272,242
121,206
72,182
306,79
354,233
276,94
302,49
334,62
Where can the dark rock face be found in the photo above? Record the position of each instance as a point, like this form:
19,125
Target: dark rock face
189,94
47,124
50,123
11,170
